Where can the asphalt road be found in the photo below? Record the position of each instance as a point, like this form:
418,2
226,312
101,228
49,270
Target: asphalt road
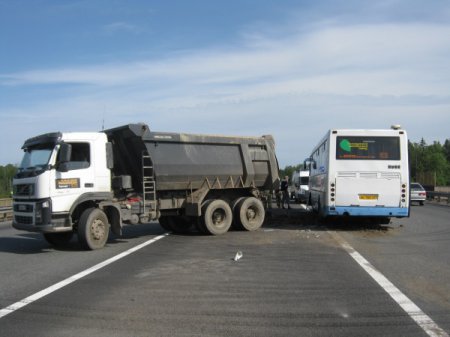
294,279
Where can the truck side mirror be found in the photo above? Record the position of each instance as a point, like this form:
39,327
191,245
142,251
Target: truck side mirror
65,152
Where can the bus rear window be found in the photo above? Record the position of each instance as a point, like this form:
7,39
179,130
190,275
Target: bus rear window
368,148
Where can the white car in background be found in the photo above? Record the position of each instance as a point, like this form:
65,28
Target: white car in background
418,193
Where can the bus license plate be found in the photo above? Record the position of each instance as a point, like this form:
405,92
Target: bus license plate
368,196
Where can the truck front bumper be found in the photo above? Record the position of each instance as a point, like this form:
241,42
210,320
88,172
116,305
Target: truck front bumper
58,223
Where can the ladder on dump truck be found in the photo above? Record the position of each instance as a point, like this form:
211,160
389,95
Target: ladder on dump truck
148,182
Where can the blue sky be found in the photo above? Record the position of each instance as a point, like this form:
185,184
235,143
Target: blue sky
293,69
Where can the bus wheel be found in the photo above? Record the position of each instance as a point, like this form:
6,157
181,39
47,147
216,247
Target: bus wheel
250,213
58,239
93,229
317,208
217,217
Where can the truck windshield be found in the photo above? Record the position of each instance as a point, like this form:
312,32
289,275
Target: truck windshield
36,158
368,148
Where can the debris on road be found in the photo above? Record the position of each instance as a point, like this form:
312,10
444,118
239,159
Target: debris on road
238,256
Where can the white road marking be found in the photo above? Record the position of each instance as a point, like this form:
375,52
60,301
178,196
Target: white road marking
422,319
30,299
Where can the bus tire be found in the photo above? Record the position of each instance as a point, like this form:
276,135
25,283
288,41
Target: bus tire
250,213
217,217
93,229
320,210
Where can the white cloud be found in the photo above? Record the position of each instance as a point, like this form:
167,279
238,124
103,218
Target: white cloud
117,27
338,58
295,87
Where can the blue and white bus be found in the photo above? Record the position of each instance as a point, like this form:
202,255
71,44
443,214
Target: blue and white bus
361,173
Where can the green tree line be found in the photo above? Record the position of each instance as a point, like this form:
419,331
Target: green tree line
428,164
6,176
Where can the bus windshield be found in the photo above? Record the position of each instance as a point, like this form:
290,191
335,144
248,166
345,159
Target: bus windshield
367,148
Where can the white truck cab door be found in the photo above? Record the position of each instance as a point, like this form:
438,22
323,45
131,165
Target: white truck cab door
78,177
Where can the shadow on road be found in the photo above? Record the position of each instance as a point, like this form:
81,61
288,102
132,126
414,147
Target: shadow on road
296,218
33,243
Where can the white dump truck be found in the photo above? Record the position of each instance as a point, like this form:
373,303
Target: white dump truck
89,183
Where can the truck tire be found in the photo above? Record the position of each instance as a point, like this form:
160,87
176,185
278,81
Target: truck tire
200,226
250,213
217,217
164,223
93,229
180,224
58,239
236,224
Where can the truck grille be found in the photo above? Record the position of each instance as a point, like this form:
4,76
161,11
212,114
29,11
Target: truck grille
26,208
24,190
25,220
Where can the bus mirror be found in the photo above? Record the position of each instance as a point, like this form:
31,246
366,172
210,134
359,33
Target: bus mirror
308,162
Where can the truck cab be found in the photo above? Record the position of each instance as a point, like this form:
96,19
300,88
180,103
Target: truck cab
300,187
58,172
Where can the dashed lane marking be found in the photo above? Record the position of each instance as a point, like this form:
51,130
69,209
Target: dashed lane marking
30,299
422,319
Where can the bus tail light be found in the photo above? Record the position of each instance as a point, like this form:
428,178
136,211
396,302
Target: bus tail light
332,192
403,193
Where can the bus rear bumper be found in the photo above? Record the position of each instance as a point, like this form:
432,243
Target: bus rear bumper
367,211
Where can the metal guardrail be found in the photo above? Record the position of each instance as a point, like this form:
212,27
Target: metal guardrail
6,213
439,196
6,202
6,210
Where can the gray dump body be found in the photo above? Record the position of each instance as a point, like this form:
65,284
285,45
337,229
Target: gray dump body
190,162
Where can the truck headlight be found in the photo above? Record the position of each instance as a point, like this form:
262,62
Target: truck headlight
38,214
43,212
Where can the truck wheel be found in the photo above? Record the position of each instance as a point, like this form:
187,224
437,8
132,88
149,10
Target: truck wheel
93,229
217,217
179,224
200,226
164,223
250,213
236,224
58,239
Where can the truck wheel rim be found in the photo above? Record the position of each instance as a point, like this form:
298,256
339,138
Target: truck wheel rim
97,229
218,217
251,214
